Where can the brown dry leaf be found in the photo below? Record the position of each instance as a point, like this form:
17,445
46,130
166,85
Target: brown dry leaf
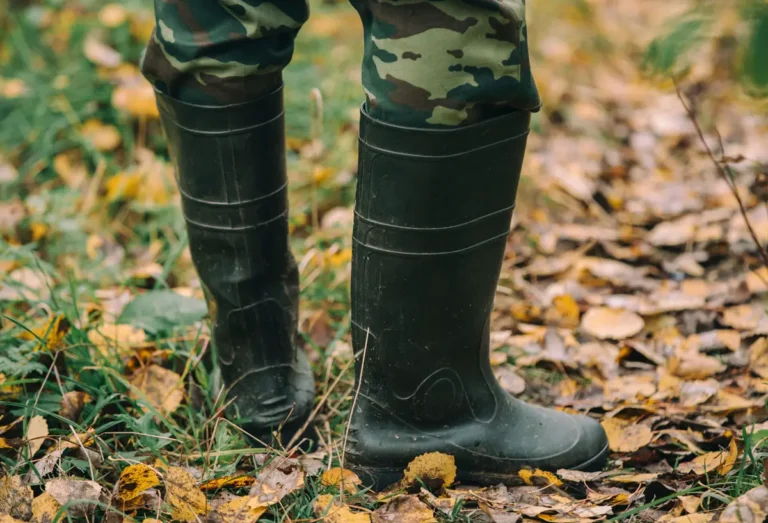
330,510
509,380
134,480
721,462
337,476
434,469
626,436
44,508
743,317
102,136
183,496
72,403
275,481
751,507
606,323
499,516
758,357
161,387
690,503
15,498
228,482
719,339
25,284
757,281
100,53
404,509
693,393
37,431
692,365
539,477
51,334
238,510
65,490
630,388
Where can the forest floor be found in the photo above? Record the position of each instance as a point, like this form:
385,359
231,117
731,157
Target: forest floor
632,288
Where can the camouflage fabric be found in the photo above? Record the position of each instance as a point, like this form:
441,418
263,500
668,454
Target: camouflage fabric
427,63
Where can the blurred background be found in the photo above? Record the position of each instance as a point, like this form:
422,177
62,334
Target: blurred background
621,208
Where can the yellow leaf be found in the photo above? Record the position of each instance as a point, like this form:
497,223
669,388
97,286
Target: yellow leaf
340,258
13,88
320,174
51,333
337,476
239,509
435,469
162,388
331,510
566,311
72,404
625,436
44,508
37,431
134,480
15,497
607,323
720,462
70,168
539,477
526,312
142,24
123,186
228,482
183,496
136,99
112,15
102,136
124,338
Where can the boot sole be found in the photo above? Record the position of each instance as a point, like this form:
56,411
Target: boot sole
379,478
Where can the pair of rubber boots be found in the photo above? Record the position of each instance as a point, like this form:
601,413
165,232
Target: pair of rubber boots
432,217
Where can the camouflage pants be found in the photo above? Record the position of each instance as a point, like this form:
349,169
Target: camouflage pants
427,63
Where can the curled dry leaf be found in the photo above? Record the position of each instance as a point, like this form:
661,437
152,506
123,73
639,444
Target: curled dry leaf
331,510
134,480
404,509
15,498
123,339
50,334
336,477
160,387
625,436
67,490
275,481
751,507
692,365
606,323
37,431
72,403
743,317
720,462
228,482
509,380
434,469
185,500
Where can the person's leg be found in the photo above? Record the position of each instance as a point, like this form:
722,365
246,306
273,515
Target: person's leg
216,67
441,149
445,63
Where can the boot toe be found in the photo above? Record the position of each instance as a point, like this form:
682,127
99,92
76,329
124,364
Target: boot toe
591,452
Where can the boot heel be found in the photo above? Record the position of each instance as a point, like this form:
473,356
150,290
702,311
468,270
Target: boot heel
377,478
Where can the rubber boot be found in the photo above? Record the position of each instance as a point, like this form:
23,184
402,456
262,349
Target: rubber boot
433,214
230,165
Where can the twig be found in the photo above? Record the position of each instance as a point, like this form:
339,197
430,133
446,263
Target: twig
352,412
723,173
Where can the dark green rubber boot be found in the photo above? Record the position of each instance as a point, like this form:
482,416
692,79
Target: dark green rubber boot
230,164
432,219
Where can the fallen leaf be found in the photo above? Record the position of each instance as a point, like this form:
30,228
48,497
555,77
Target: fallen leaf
625,436
403,509
37,431
103,137
44,508
134,480
692,365
720,462
434,469
185,499
66,490
751,507
330,510
228,482
112,15
160,387
136,99
123,339
539,477
15,498
509,380
743,317
51,334
100,53
239,510
693,393
72,404
275,481
565,311
606,323
337,477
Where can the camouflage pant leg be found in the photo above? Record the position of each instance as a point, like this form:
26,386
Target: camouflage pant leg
442,63
427,63
221,52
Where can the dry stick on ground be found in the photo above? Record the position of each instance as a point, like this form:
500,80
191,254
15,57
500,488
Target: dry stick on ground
352,413
723,173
